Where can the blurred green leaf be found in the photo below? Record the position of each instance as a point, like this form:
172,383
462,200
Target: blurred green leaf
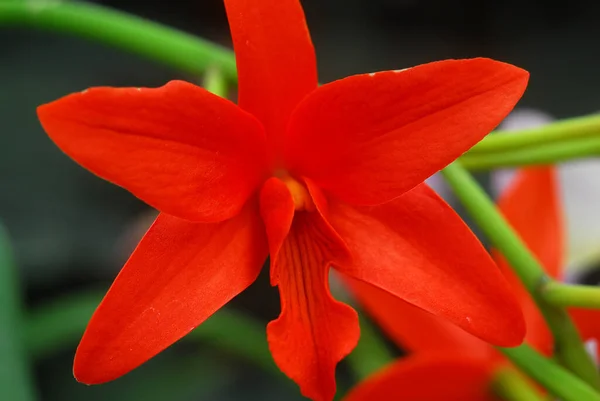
60,324
239,334
171,376
15,379
370,354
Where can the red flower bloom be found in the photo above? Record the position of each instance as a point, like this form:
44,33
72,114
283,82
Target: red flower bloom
315,176
449,363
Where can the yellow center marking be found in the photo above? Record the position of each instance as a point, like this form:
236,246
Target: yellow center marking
302,199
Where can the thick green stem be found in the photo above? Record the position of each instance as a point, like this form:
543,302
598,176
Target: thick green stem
510,385
569,347
565,295
558,381
16,383
568,129
169,46
537,154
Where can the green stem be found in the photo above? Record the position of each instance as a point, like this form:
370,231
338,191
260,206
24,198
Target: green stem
61,323
510,385
16,383
169,46
543,153
569,347
558,381
579,127
565,295
215,82
370,354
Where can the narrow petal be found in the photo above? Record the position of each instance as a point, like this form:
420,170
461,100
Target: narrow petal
418,249
531,206
275,60
314,331
179,275
428,377
414,329
277,211
179,148
370,138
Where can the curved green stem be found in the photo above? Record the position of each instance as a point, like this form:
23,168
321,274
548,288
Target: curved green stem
558,381
565,295
169,46
537,154
16,383
569,347
215,82
568,129
60,325
510,385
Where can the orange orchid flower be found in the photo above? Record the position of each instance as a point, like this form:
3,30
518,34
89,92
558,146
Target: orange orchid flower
446,362
315,176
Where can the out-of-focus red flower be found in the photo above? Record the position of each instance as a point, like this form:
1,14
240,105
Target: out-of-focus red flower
580,196
447,362
317,177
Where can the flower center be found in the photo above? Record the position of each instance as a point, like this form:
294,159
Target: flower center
302,199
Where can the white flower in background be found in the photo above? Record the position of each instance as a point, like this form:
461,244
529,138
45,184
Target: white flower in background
580,195
440,186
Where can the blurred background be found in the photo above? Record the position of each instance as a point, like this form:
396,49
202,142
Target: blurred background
71,232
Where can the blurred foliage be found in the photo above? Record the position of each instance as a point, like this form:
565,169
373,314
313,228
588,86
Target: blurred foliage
15,380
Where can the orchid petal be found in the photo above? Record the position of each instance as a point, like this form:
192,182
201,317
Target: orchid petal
412,328
275,60
418,249
314,331
369,138
179,275
531,205
179,148
428,377
277,211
